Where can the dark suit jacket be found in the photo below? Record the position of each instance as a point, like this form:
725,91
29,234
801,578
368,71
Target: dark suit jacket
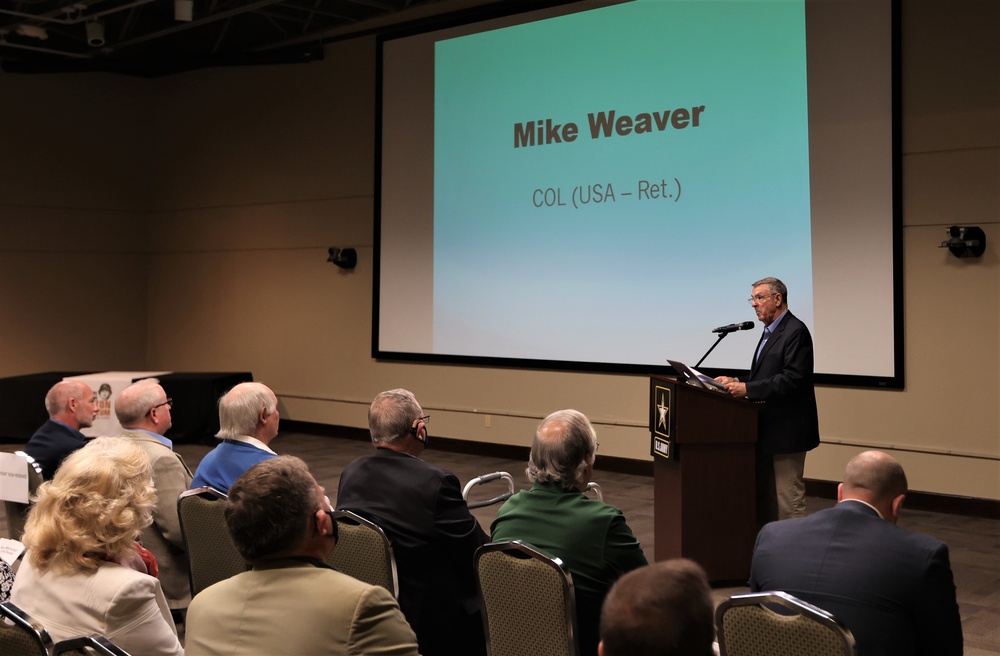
892,588
781,381
434,536
50,445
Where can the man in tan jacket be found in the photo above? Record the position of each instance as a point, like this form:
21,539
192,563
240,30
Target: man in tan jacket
143,410
291,602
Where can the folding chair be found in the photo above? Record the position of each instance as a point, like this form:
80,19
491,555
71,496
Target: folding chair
363,551
211,552
17,512
528,601
748,627
87,646
20,635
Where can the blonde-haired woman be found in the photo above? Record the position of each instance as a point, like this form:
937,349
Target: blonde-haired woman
83,573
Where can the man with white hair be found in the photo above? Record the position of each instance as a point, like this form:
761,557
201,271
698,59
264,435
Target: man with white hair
248,421
71,405
555,516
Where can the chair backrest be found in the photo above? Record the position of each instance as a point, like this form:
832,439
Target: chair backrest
211,552
17,512
20,635
87,646
487,478
747,627
528,601
364,551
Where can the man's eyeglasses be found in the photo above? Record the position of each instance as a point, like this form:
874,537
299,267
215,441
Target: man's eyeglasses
426,419
759,298
169,402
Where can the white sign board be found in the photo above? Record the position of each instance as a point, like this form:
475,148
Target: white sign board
13,478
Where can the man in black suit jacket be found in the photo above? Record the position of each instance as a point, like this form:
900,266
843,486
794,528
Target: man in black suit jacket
71,405
892,588
781,383
433,534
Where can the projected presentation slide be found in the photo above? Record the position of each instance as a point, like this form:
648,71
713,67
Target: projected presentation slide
604,186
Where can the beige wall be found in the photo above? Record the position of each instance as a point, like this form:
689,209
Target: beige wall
249,174
72,220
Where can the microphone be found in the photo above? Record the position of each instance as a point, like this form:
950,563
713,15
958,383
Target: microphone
733,327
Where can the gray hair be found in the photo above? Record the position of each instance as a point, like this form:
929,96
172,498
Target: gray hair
60,394
268,508
391,415
239,409
776,287
564,447
136,400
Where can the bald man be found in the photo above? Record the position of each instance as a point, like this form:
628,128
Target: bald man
71,405
892,588
143,410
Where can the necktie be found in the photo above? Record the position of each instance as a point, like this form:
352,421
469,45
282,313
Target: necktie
763,340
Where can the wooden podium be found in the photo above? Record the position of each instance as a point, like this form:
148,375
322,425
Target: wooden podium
702,444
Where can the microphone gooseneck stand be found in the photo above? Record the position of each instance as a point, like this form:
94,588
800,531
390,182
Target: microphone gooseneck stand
721,337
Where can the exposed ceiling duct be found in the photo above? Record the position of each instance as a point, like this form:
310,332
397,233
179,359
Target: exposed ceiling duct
157,37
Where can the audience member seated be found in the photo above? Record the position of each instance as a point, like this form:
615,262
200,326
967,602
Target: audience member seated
71,405
589,536
664,609
83,572
433,534
143,410
291,602
892,588
6,580
248,421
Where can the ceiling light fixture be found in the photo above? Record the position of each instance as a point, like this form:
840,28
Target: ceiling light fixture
95,33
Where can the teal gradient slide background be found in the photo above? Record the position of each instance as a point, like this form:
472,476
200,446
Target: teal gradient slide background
635,278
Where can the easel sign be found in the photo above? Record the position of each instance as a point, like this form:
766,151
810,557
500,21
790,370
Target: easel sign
13,478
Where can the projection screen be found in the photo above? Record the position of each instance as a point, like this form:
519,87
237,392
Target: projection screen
595,186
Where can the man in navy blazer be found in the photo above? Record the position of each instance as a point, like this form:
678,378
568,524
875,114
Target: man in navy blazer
71,405
892,588
781,384
433,534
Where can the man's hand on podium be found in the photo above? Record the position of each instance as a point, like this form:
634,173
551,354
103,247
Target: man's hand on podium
733,386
